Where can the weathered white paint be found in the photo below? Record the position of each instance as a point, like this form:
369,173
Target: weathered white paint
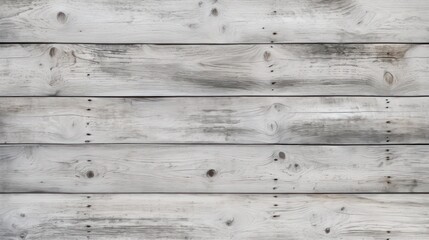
212,21
213,70
165,216
289,120
213,168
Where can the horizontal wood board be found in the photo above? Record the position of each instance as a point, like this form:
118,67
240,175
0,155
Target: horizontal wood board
152,216
262,120
212,21
213,169
214,70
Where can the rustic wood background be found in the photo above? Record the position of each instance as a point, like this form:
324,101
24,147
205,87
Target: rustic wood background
214,119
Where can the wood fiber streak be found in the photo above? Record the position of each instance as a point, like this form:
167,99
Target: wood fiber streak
286,120
213,70
212,21
152,216
215,169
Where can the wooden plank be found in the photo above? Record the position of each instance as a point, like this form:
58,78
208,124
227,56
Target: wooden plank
213,70
215,169
165,216
194,21
288,120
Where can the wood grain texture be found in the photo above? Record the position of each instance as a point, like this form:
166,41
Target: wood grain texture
213,70
288,120
215,169
136,216
208,21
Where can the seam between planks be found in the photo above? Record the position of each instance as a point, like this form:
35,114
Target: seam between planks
217,193
219,44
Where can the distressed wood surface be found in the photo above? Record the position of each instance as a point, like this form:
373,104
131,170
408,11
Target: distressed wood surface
213,70
215,169
288,120
212,21
154,216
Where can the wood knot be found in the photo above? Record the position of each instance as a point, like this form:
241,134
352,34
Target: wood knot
53,51
214,12
267,56
61,17
282,155
327,230
23,235
229,222
211,173
388,77
90,174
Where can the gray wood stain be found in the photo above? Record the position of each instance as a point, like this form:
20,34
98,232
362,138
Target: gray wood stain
213,70
211,119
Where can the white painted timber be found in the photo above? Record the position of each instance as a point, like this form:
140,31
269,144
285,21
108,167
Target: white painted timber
286,120
213,70
213,168
212,21
197,216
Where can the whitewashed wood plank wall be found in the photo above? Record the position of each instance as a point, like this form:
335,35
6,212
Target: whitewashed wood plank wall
213,119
